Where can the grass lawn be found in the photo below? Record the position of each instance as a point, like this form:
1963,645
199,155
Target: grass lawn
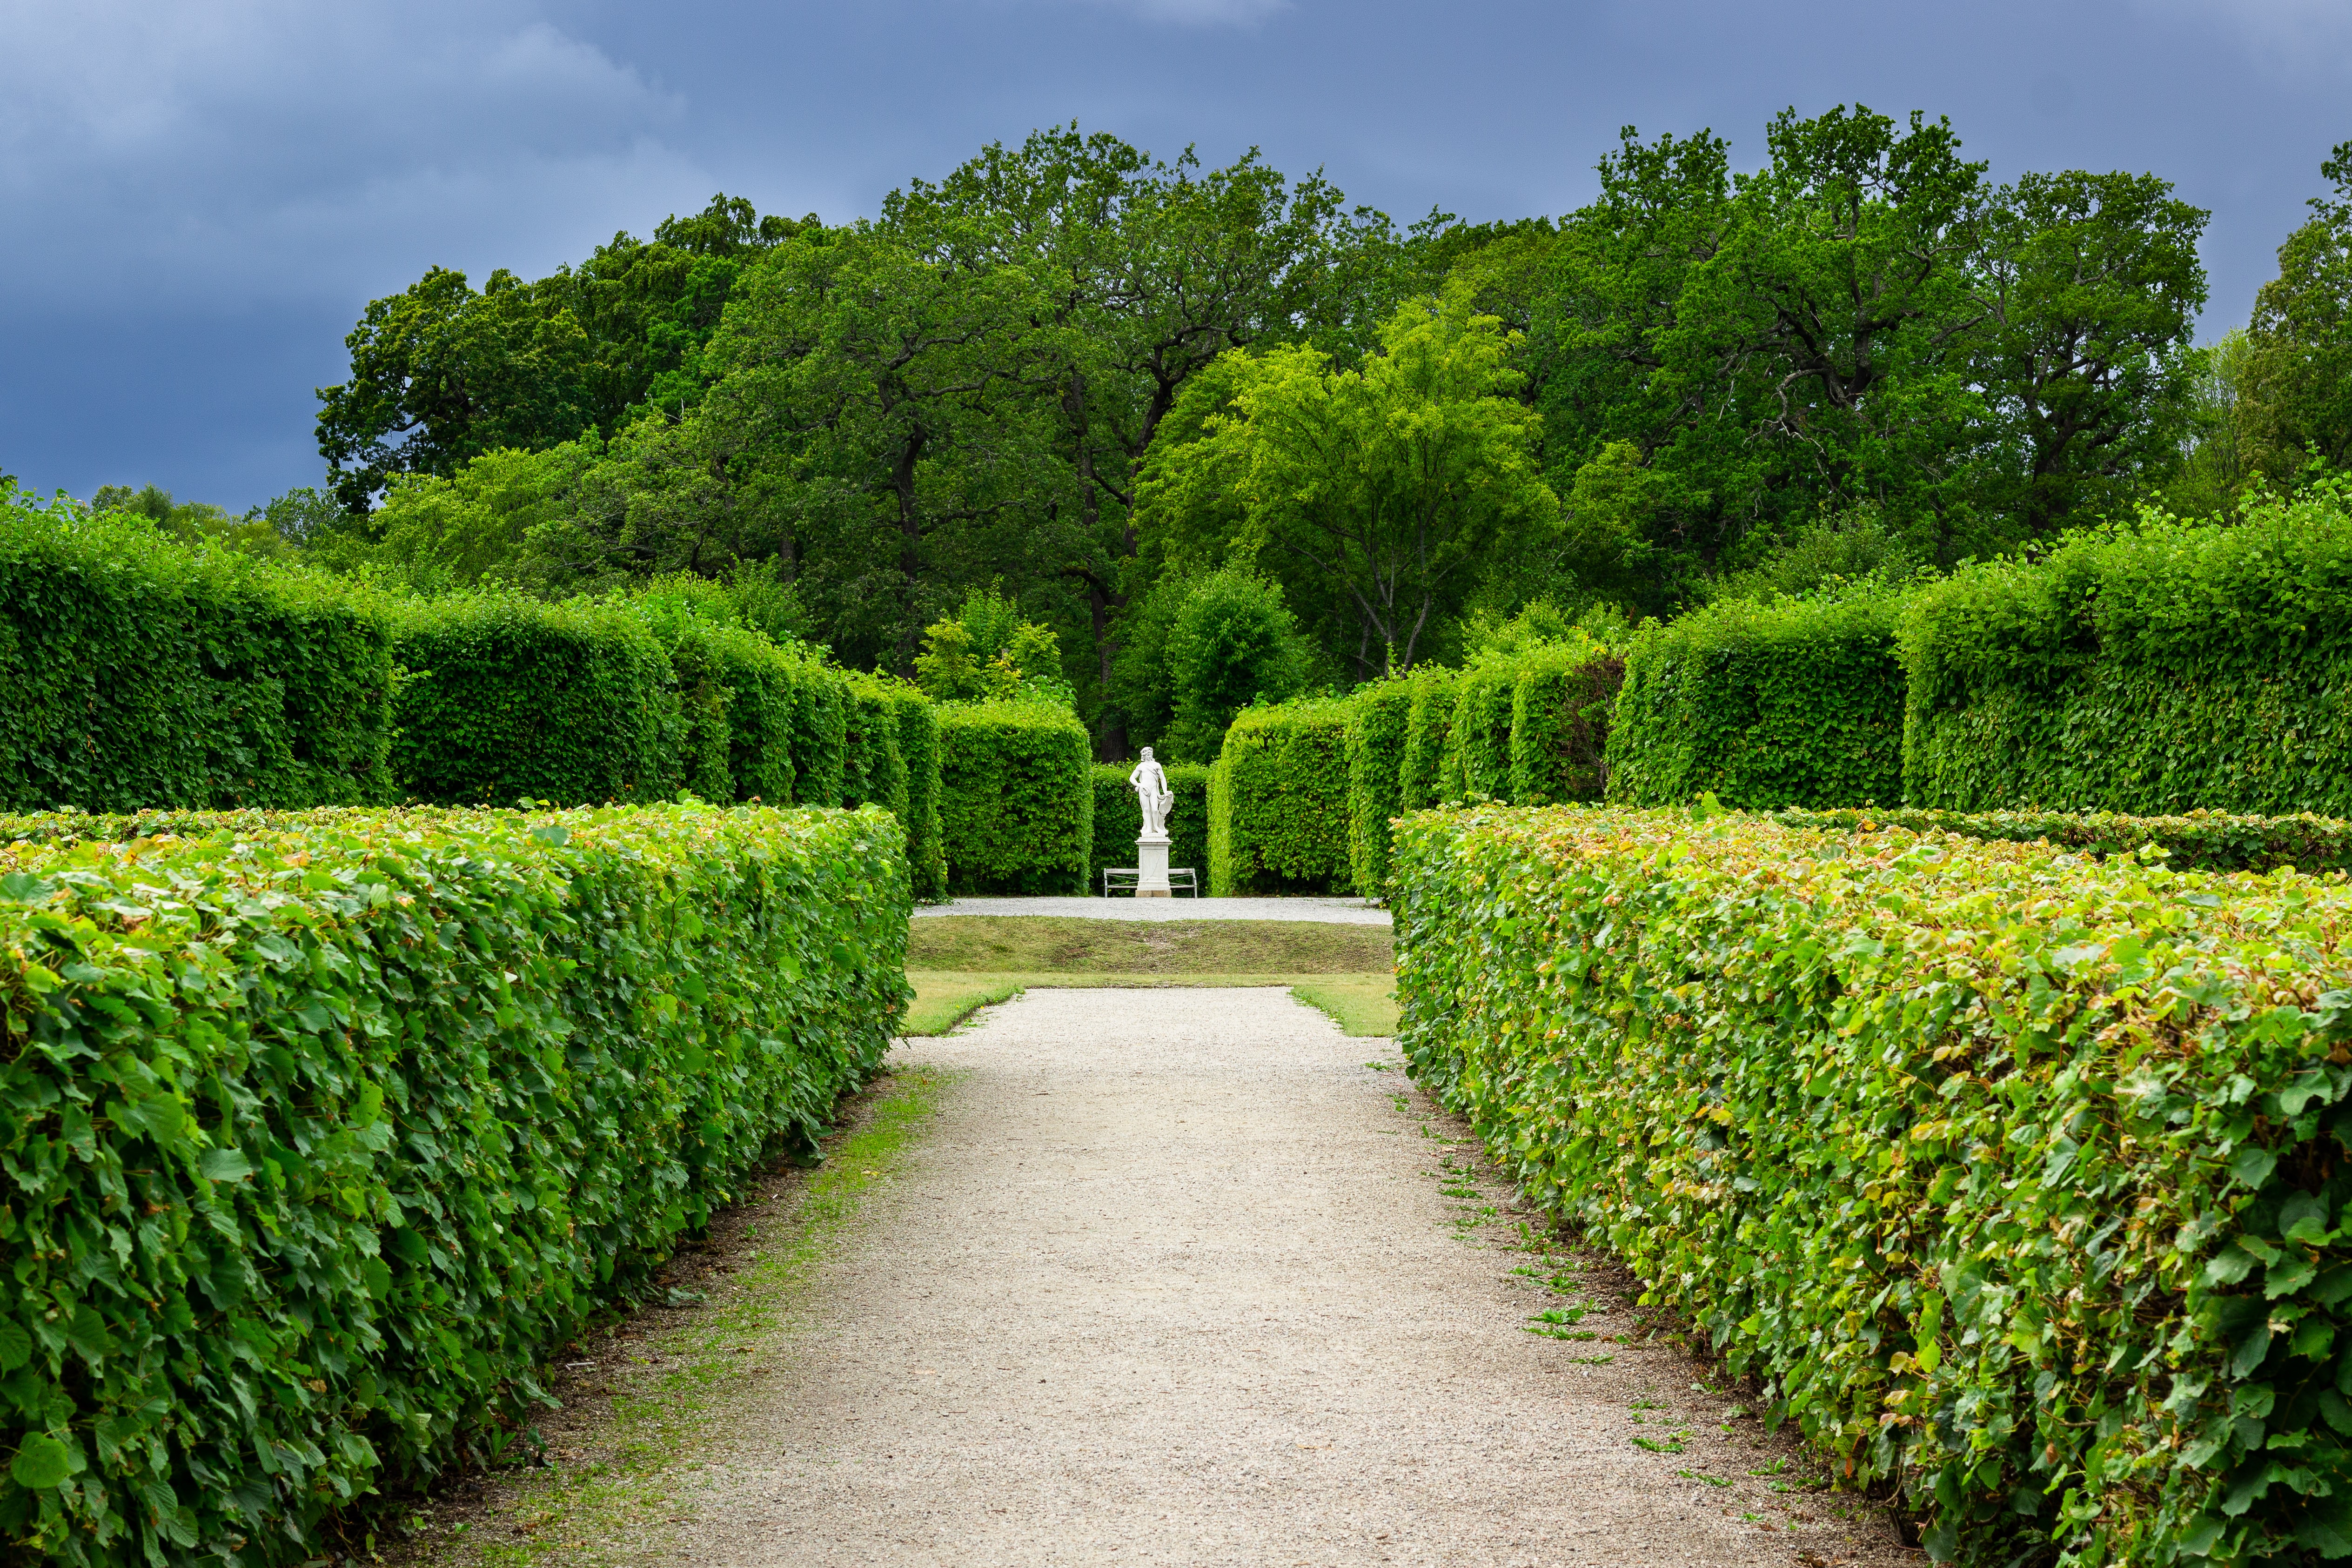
1358,1003
1039,944
961,963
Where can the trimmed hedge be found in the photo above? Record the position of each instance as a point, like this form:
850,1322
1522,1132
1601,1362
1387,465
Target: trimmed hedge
1016,797
1481,732
2199,841
1427,721
757,681
2154,671
1559,722
1377,717
820,733
2015,1177
874,767
309,1166
1798,702
507,698
1279,801
919,747
1118,819
137,672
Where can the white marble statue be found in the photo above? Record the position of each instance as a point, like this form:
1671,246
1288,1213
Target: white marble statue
1150,782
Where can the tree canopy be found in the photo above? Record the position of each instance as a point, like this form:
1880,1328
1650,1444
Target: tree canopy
1117,391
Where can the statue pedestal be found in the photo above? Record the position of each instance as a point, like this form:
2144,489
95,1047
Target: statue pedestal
1151,866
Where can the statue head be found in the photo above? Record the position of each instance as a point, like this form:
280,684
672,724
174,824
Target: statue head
1146,753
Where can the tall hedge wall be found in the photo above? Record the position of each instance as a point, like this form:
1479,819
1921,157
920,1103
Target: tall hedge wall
1377,719
1118,820
1016,797
308,1167
137,672
2151,671
1428,719
507,698
1480,735
874,764
1279,801
919,747
1798,702
2022,1180
1561,712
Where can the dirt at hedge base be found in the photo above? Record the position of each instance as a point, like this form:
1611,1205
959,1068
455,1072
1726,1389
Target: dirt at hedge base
1175,1277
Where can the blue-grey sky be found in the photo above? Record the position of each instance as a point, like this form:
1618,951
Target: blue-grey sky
197,197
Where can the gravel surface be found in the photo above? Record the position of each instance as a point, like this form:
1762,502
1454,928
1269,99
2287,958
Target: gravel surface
1173,1277
1339,912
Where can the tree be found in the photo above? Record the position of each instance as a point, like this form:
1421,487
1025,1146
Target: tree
2298,379
1381,491
442,373
1235,643
2090,287
892,394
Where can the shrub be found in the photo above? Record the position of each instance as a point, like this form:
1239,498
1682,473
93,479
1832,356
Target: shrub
1427,721
1378,716
2200,841
1279,801
1235,643
919,747
507,698
874,766
2014,1176
311,1166
1559,722
1016,797
1797,702
2151,670
1118,820
138,672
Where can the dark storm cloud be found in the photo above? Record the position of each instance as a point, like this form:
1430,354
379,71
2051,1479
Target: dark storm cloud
200,197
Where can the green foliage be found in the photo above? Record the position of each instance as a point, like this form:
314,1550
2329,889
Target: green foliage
1233,643
1016,797
441,373
919,747
1561,713
1279,801
986,653
2151,670
1479,741
874,764
507,699
2199,841
310,1167
142,672
1377,717
1384,490
2015,1178
1707,376
1428,722
1795,702
1118,819
2297,368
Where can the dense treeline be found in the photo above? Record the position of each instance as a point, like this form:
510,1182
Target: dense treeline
1220,435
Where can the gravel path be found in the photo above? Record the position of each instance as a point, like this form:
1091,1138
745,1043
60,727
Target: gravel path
1329,912
1175,1278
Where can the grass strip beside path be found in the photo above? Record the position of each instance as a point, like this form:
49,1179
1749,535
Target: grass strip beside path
1363,1003
1058,944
